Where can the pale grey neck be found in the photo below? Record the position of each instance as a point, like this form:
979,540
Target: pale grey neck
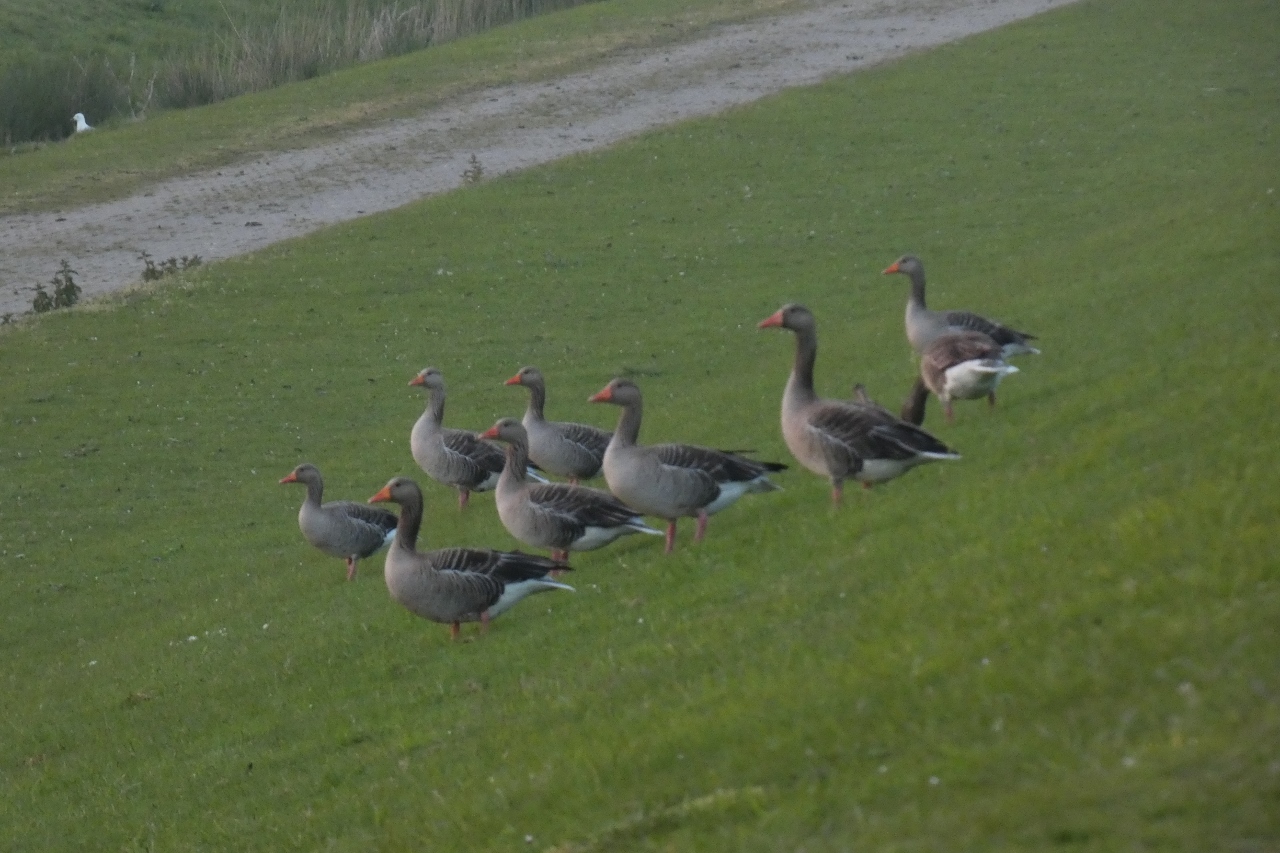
435,404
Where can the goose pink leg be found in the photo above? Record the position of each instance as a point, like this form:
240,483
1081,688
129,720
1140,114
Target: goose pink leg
701,530
671,537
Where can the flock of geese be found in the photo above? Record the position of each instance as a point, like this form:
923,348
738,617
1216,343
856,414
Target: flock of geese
962,357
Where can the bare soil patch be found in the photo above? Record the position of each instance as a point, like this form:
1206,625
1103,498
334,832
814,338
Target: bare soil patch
234,210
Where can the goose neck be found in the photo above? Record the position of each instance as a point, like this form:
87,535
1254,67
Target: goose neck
917,288
537,400
435,405
315,491
514,473
800,383
628,431
409,524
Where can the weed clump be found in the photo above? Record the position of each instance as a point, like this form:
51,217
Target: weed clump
151,271
65,291
474,173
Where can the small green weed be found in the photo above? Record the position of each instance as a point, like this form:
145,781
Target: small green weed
474,173
65,291
151,271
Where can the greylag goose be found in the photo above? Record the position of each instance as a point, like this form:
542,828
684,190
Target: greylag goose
673,480
343,529
455,457
924,325
456,585
571,450
963,366
913,407
559,516
842,440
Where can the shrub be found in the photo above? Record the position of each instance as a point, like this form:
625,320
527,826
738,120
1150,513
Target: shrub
151,271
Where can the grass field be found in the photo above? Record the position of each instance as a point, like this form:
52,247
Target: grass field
1067,640
149,30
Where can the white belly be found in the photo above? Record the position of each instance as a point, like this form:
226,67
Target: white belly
970,380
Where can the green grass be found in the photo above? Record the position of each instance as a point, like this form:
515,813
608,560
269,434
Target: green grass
1073,630
149,29
109,165
200,58
110,60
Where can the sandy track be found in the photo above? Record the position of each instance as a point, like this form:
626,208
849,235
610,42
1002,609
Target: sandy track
234,210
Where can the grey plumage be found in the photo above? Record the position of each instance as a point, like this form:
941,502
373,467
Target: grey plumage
923,325
456,585
672,481
562,448
558,516
343,529
843,439
457,458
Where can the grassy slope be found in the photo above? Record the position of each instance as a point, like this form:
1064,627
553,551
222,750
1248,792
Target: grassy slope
1073,630
110,165
148,29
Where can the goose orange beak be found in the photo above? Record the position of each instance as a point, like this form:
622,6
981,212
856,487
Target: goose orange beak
291,477
604,395
514,380
491,432
382,496
417,380
774,319
892,268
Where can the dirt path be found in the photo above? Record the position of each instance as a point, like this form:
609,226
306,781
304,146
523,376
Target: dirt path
235,210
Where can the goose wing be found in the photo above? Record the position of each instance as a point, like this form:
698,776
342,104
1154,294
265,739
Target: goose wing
369,527
721,466
471,452
971,322
589,439
849,431
579,507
